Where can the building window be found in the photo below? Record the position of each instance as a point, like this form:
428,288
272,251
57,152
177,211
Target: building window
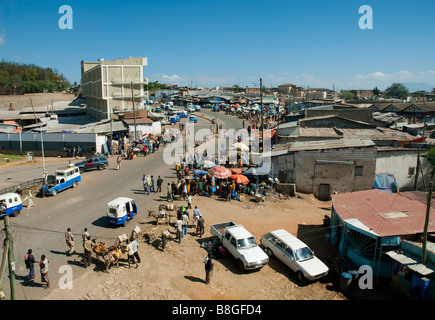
358,171
411,171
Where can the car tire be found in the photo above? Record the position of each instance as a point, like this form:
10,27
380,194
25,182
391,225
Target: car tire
75,184
100,167
125,223
82,170
240,265
54,192
269,252
16,213
300,276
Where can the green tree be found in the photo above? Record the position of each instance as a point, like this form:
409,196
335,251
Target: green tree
376,92
397,91
347,95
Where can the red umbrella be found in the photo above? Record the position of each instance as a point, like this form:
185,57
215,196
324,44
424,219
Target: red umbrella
220,172
238,178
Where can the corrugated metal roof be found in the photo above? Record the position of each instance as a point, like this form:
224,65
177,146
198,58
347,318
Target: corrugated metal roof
331,144
372,208
412,262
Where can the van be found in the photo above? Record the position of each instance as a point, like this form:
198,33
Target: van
13,202
62,179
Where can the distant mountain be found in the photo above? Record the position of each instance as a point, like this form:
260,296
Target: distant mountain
415,86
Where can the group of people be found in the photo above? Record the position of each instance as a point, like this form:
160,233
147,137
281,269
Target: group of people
72,152
183,220
148,184
30,261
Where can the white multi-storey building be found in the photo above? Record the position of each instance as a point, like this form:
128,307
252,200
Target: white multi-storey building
110,86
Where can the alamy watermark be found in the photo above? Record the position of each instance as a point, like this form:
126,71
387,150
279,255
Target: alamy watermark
366,20
66,20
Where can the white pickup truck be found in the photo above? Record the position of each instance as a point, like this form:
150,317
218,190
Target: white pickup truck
241,244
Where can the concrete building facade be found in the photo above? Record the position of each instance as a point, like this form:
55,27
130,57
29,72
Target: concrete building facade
107,85
325,167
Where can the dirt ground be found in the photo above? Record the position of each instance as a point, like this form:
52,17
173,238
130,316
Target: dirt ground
37,99
178,272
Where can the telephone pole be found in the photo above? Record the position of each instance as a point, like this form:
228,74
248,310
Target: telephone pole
11,262
262,113
134,111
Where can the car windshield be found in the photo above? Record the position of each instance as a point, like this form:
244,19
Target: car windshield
246,243
303,254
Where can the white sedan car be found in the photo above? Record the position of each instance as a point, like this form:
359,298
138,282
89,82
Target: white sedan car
295,254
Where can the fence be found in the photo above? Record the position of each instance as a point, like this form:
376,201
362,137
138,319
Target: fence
23,186
53,143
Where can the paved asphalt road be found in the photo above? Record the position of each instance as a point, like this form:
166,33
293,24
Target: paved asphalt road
43,227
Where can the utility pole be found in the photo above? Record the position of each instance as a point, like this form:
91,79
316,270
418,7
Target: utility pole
11,262
262,113
417,170
134,112
42,142
426,224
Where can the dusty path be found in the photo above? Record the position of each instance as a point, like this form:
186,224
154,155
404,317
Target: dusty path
178,272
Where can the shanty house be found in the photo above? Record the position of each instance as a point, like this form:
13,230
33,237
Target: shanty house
366,225
325,167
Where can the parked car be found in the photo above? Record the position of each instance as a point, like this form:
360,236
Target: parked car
240,244
197,108
193,119
295,254
173,119
91,163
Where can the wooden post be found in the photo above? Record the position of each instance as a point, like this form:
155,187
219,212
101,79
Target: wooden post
11,261
426,223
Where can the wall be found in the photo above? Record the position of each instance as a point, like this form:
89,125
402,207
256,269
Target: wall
301,168
396,162
54,143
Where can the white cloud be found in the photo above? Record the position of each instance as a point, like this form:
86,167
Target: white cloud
383,80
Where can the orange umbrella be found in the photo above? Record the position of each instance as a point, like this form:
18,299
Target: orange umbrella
239,178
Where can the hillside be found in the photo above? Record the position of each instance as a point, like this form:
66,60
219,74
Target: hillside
16,78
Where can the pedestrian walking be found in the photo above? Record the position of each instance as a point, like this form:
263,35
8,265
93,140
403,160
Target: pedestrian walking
43,265
29,197
208,268
148,184
88,246
159,184
85,236
189,201
118,161
144,182
69,238
185,219
135,249
169,194
196,214
30,264
152,184
201,225
179,225
130,253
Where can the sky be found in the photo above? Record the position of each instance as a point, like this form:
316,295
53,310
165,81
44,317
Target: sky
313,43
